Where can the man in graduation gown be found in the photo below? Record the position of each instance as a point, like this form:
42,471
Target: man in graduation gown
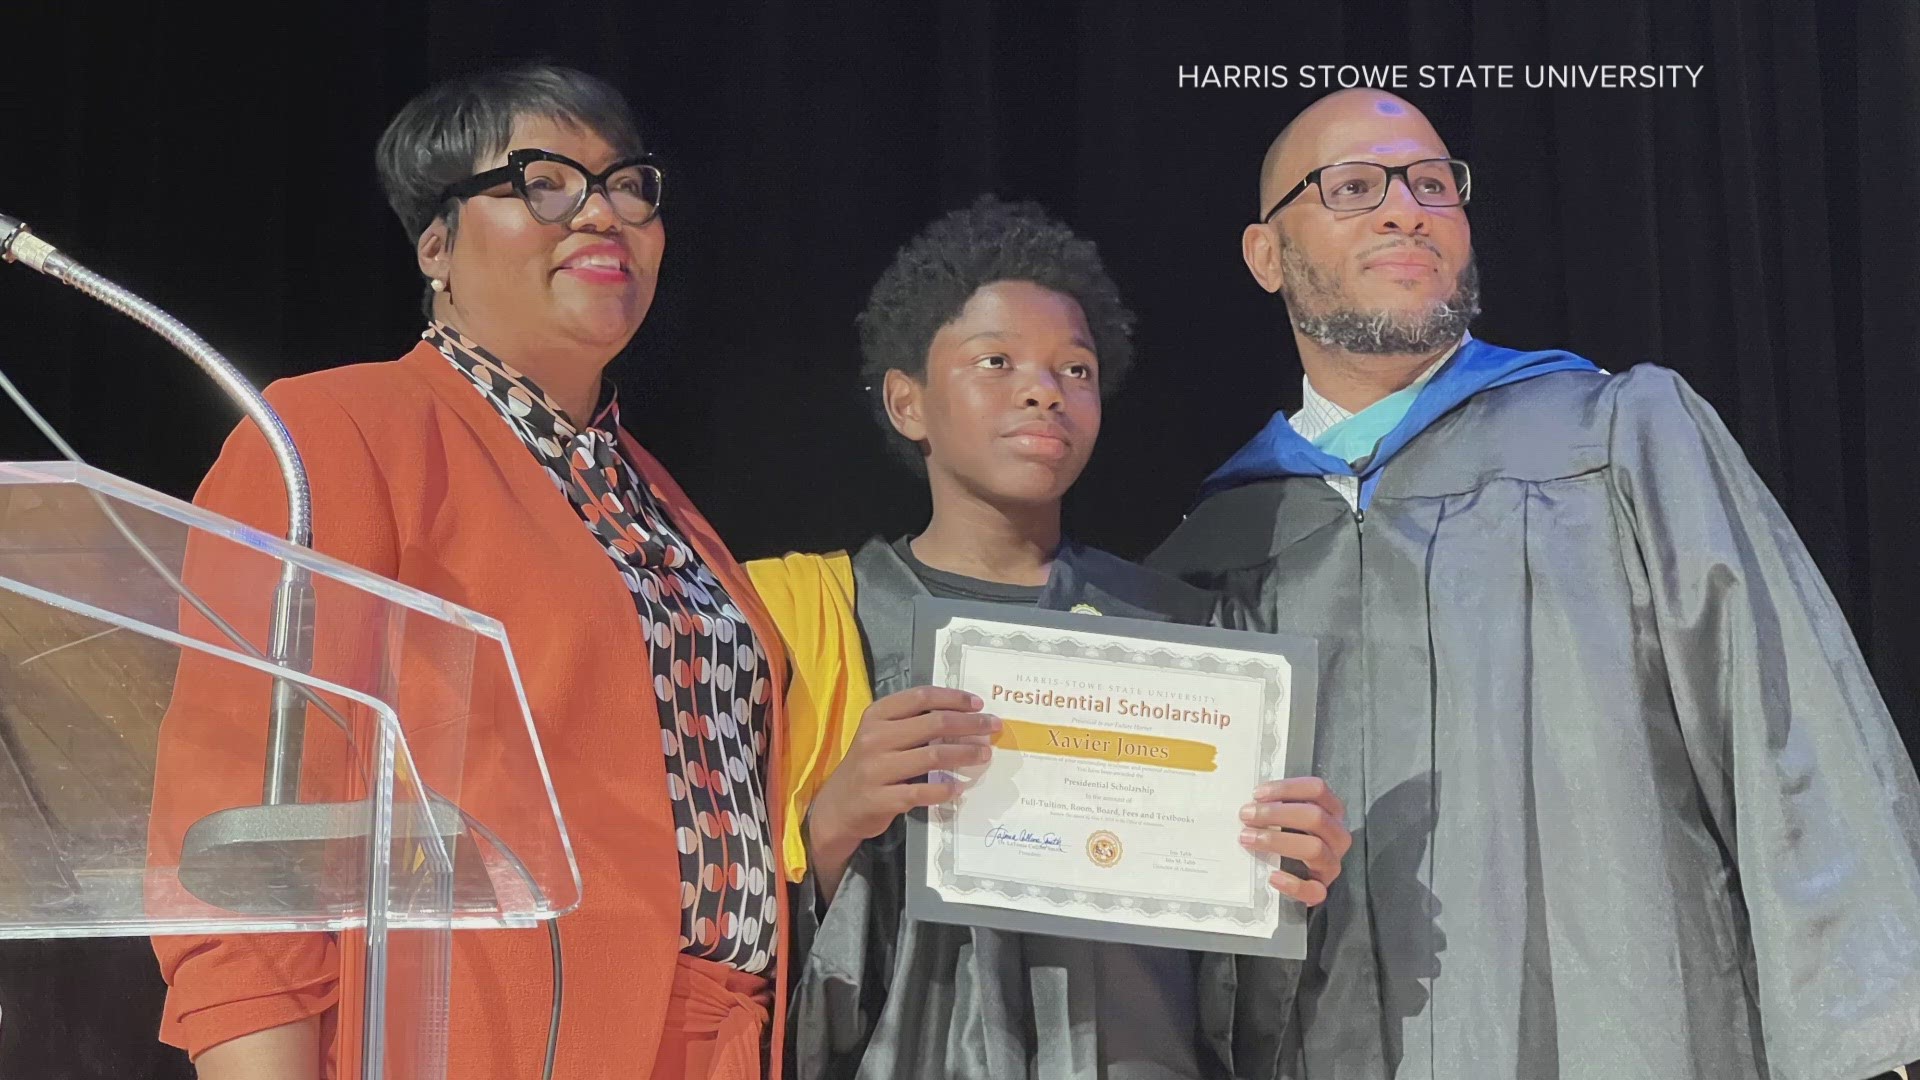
1624,798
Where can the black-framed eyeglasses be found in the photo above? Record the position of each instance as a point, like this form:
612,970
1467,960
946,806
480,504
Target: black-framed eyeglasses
555,186
1362,185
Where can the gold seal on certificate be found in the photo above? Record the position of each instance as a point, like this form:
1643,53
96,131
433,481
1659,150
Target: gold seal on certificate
1111,806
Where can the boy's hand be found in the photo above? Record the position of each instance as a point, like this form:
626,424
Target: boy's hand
1298,818
902,737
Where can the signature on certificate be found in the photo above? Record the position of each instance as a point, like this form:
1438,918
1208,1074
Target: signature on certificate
1000,834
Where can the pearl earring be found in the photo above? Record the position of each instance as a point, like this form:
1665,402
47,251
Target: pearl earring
439,285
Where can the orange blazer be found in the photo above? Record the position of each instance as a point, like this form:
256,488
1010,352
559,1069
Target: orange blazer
416,478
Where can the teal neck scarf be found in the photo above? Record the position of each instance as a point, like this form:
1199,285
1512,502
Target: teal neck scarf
1355,438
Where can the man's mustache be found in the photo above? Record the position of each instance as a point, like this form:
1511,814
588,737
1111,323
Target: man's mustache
1420,242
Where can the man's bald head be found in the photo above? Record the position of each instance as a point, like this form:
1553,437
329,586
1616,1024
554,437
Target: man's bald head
1396,279
1381,121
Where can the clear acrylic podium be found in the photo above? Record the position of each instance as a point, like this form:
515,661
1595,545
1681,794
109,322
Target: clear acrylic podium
134,697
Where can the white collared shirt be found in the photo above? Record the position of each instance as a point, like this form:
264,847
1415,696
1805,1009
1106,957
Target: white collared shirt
1317,414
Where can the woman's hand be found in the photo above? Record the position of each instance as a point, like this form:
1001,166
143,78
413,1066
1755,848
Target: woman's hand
1298,818
288,1052
902,737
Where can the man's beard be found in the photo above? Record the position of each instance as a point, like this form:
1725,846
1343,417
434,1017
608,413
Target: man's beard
1323,313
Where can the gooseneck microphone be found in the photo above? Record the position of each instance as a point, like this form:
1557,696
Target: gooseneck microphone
230,855
290,643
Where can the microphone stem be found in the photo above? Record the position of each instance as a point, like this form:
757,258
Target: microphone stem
291,637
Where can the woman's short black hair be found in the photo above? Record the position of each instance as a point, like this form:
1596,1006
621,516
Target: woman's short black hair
441,136
934,275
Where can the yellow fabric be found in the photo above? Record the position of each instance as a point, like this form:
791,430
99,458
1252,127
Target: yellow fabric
811,600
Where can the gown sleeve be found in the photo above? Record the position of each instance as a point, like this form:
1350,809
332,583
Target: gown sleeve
846,972
843,952
1803,774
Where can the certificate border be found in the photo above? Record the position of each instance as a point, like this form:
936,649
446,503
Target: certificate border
923,902
1127,651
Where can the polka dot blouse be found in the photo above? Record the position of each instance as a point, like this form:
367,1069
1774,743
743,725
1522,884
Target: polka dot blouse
709,672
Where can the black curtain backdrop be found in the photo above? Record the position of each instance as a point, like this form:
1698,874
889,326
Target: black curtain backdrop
1753,232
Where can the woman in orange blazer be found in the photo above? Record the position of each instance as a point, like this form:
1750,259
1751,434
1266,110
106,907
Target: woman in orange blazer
488,466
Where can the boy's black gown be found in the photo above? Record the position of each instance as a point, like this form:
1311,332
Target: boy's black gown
878,996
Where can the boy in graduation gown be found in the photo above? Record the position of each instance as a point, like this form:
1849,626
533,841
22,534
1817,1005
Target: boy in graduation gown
988,345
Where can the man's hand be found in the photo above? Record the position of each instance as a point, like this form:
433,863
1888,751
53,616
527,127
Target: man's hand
902,737
1298,818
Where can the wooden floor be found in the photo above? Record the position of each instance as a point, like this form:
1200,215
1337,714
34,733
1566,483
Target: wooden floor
80,707
80,699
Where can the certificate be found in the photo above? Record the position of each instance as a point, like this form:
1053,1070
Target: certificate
1111,806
